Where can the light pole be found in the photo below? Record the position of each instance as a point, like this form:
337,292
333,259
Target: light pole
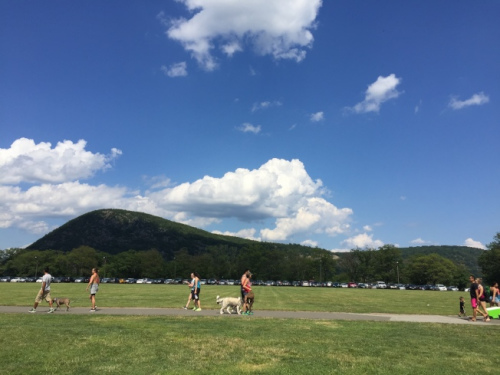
397,269
36,269
103,272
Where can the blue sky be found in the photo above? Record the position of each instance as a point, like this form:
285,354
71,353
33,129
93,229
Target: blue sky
337,124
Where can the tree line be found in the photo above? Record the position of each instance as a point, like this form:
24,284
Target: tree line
281,263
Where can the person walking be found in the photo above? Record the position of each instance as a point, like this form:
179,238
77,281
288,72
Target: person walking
94,287
191,285
494,295
245,279
195,293
44,292
249,296
481,297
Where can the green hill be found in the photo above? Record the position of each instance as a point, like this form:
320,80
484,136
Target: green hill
114,231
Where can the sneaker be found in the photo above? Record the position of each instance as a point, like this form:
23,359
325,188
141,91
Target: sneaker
197,309
244,313
194,308
32,310
92,310
51,310
250,313
185,308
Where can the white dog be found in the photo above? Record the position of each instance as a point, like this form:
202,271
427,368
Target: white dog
228,303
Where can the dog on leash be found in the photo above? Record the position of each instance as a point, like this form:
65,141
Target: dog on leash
228,303
61,301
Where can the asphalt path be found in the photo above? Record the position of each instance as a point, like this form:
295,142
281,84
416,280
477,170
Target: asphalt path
259,314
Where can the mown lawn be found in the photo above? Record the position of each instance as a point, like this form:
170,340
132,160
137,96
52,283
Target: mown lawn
102,344
267,298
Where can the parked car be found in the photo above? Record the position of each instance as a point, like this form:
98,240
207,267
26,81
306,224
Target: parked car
5,279
352,285
362,285
452,289
79,280
212,282
380,285
440,287
305,283
343,285
18,280
270,283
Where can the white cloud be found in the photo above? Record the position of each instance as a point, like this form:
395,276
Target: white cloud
476,99
26,161
367,228
309,243
279,192
318,116
272,27
175,70
265,105
382,90
418,241
362,241
471,243
249,128
248,233
279,189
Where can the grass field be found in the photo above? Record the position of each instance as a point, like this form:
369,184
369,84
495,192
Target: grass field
66,343
267,298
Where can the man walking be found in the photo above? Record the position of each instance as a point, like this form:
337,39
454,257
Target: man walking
44,292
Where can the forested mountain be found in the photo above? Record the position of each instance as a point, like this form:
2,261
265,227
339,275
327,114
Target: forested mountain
467,256
114,231
134,244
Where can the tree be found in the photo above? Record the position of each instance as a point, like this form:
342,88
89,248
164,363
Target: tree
431,269
489,261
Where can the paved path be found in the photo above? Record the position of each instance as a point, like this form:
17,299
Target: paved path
261,314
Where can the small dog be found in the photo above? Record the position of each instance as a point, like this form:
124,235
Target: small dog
61,301
249,300
228,303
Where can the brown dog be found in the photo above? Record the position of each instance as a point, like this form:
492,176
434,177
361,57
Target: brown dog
61,301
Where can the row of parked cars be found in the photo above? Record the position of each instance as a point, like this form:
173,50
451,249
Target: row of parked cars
304,283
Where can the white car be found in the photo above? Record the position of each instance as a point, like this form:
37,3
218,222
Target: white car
440,287
18,280
452,289
380,285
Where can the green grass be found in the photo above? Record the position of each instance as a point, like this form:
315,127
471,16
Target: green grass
267,298
76,344
110,344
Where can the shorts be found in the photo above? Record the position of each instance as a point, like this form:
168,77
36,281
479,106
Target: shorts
195,296
94,288
473,302
497,299
45,295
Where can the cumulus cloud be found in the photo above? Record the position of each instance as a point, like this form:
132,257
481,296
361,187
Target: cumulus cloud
362,241
279,196
26,161
318,116
476,99
471,243
278,28
249,128
279,189
380,91
175,70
